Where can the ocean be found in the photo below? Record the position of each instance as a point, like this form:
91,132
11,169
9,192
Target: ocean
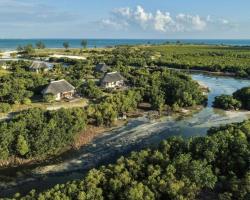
12,44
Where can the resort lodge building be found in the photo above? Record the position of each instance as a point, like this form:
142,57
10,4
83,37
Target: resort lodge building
112,80
60,89
38,66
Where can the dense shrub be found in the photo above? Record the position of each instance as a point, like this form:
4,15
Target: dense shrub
38,133
226,102
243,95
91,90
199,57
4,107
20,85
239,99
26,101
106,111
215,166
165,87
49,98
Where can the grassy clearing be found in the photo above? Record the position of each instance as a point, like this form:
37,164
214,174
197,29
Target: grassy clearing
48,106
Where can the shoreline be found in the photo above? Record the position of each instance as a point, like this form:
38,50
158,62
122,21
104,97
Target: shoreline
107,42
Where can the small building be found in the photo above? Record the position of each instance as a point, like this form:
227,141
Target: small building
39,66
112,80
60,89
101,68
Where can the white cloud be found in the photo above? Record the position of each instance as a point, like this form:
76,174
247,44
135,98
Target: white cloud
220,22
224,21
160,21
112,24
123,12
189,22
141,16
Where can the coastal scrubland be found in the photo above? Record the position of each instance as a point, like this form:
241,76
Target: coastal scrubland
211,167
232,60
216,166
163,89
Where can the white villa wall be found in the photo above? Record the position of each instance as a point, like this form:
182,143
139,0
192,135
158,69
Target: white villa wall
58,97
114,84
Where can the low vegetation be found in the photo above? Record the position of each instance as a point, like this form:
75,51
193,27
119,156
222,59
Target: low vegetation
239,100
110,107
210,58
243,95
226,102
37,133
225,59
165,87
215,167
36,126
20,84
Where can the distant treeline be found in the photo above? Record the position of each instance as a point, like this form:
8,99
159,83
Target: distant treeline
200,57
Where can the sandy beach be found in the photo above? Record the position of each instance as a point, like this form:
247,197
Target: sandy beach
6,54
67,56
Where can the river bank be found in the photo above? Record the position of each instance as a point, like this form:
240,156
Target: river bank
136,134
81,139
220,73
88,135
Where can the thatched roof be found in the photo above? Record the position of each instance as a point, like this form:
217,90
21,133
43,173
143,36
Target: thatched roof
39,65
112,77
56,87
101,67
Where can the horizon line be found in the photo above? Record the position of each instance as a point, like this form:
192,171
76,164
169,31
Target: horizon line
52,38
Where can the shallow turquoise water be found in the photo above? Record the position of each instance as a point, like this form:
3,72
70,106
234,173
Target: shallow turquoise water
10,44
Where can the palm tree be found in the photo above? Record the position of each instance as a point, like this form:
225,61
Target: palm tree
40,45
84,43
66,45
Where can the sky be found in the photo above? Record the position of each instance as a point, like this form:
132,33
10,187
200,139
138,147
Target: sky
150,19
